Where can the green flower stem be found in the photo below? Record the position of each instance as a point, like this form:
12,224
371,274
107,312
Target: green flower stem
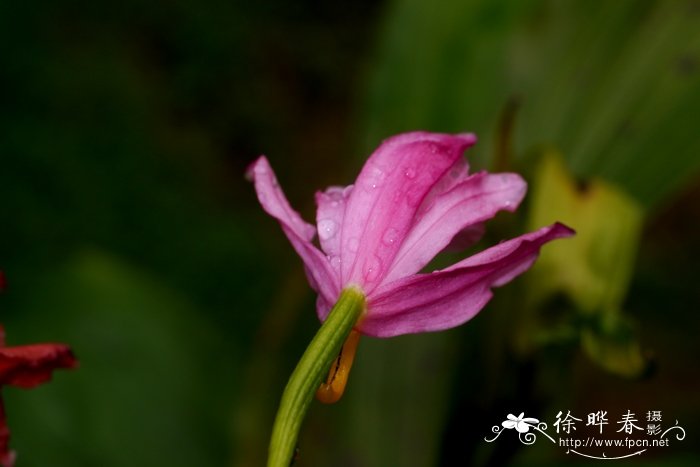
309,373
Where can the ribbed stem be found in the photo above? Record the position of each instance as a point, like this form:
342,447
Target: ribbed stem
309,372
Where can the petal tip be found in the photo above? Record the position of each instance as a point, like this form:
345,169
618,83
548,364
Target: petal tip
562,230
466,140
470,139
257,167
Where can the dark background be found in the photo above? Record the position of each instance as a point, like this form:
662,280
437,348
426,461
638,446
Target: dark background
128,229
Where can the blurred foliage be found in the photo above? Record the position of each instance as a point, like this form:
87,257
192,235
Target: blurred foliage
593,269
146,357
612,84
129,232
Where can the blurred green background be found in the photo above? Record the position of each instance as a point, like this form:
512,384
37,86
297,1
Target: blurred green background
129,231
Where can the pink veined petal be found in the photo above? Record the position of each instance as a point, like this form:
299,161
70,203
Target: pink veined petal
329,220
453,177
273,200
450,297
456,175
318,269
388,192
466,237
323,307
474,200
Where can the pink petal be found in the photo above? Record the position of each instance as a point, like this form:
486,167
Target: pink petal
323,307
318,269
445,299
381,208
329,220
453,177
474,200
466,237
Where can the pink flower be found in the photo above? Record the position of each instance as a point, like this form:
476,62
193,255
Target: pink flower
27,366
412,199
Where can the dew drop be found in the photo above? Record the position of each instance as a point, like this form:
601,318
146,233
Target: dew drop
390,236
335,261
374,178
410,173
414,196
327,229
372,269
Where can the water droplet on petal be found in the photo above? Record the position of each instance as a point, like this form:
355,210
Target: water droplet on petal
372,269
374,178
327,229
410,173
352,244
390,236
335,261
414,195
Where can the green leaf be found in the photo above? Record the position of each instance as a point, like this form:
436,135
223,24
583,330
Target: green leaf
594,267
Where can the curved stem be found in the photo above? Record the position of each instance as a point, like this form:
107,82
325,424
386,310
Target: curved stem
309,373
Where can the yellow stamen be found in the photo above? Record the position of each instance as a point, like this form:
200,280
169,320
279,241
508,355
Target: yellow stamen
332,390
